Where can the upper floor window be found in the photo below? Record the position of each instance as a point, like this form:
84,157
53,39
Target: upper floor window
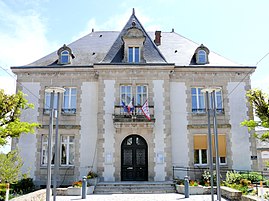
198,101
125,94
70,100
133,54
47,102
141,94
202,57
65,57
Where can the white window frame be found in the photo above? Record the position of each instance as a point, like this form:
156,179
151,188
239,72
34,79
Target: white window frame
69,109
133,54
142,94
198,109
201,53
47,102
125,93
68,153
44,150
200,155
65,53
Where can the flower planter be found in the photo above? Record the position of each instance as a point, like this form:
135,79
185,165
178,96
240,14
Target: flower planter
194,190
93,181
74,191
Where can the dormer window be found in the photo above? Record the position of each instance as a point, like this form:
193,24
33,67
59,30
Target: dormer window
201,55
65,55
133,54
134,45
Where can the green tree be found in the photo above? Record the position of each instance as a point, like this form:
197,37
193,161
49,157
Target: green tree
260,103
10,167
11,107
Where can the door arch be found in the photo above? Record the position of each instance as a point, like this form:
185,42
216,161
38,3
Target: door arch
134,159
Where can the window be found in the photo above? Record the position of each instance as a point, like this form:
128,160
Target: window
200,149
47,102
125,94
202,57
70,100
65,57
67,150
133,54
198,100
141,94
200,156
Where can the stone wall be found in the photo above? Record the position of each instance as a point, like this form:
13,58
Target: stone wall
39,195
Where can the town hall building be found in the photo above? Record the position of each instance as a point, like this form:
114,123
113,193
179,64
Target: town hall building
134,107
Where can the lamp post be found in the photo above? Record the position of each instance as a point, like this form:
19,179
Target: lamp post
212,92
51,90
209,141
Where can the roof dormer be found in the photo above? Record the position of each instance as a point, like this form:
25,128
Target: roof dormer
134,45
65,55
201,55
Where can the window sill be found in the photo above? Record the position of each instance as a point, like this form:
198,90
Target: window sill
68,114
60,167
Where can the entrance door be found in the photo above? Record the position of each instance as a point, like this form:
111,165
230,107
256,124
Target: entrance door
134,159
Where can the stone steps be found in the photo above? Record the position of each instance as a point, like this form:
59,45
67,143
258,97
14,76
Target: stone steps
134,187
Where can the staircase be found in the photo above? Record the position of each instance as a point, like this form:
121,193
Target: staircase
134,187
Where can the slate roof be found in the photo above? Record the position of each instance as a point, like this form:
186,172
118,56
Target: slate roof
107,47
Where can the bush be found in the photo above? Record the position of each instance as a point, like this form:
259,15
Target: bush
23,186
252,176
233,177
91,175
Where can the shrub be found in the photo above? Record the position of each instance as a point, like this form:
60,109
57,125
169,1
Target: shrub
252,176
24,186
233,177
91,175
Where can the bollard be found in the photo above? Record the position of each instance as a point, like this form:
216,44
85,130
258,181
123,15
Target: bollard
187,187
84,187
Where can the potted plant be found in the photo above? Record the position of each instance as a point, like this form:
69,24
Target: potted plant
75,189
92,178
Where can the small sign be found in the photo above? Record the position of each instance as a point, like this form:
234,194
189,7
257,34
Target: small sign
253,157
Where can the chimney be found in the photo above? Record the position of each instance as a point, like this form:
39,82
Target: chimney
157,39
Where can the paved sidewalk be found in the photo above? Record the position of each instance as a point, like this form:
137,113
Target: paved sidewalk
139,197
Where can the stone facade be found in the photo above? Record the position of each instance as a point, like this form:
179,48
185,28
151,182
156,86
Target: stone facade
98,135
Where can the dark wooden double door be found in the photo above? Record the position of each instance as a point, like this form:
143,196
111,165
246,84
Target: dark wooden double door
134,159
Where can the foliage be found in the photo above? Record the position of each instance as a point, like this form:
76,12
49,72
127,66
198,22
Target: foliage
194,183
206,176
91,175
243,188
24,186
259,101
10,165
180,181
233,177
11,107
252,176
77,183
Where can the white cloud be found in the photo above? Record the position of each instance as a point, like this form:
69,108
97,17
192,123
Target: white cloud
22,37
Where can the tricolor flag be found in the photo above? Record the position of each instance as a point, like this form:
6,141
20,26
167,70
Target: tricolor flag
130,106
145,110
125,108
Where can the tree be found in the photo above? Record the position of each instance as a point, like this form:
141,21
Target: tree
11,107
260,103
10,166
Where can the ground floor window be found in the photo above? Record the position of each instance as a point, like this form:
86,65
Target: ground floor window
67,150
201,149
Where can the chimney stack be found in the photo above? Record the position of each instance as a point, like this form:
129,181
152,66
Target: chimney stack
157,39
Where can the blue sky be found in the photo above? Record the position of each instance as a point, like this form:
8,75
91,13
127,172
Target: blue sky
237,30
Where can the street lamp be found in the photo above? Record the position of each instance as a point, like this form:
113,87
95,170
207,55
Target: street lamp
212,92
51,90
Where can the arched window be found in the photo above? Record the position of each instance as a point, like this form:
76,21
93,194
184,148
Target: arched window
202,57
65,57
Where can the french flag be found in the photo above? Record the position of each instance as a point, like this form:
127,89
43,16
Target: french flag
130,106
